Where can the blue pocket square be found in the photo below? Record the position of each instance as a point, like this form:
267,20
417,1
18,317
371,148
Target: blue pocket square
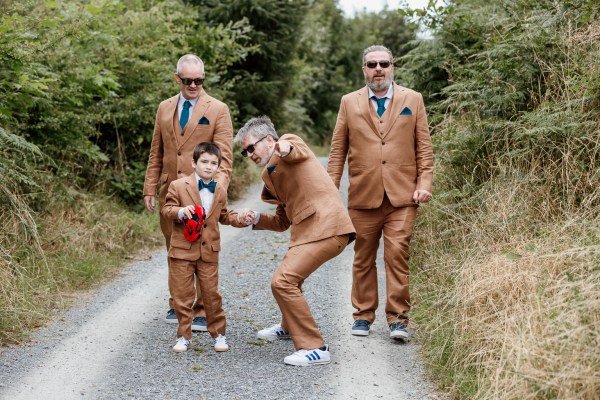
406,111
203,121
271,168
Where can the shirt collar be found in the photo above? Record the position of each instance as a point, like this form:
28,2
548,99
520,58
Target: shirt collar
389,93
183,99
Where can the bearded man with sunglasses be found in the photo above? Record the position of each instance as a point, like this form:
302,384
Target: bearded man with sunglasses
382,129
182,121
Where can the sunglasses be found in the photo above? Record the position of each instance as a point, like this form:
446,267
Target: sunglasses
188,81
373,64
251,149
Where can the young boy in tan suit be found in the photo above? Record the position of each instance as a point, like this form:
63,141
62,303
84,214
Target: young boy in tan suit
200,257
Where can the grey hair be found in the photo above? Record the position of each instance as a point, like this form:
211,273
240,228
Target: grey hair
189,58
259,128
376,47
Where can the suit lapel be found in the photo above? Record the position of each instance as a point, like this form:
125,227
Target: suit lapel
199,110
266,177
364,105
397,104
219,192
192,189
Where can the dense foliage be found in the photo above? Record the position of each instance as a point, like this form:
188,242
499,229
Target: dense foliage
507,256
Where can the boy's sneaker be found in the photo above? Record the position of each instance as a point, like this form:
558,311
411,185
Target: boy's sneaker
182,345
171,318
398,331
221,343
273,333
305,358
361,327
199,324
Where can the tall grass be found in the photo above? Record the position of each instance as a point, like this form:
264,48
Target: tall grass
507,257
47,256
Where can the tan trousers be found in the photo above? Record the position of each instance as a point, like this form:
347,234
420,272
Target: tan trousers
166,225
298,263
181,285
396,224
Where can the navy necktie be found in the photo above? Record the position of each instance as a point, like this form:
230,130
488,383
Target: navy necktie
210,185
380,105
185,114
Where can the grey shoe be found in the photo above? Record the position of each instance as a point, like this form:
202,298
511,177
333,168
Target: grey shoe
171,318
199,324
398,331
361,327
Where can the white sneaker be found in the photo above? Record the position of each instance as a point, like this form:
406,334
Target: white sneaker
221,343
181,345
273,333
305,358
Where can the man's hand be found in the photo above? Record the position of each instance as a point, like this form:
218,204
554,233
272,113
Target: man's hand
149,203
283,148
246,216
421,196
188,211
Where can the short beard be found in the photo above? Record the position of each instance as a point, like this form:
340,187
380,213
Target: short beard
264,162
379,87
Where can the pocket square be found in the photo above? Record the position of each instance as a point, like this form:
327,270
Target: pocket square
406,111
203,121
271,168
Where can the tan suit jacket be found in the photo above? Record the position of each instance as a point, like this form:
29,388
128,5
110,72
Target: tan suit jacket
171,150
184,192
390,154
305,196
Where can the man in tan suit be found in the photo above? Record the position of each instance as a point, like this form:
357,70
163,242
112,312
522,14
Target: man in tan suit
183,121
307,201
382,130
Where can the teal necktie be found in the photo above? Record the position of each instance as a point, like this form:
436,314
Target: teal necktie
185,114
380,105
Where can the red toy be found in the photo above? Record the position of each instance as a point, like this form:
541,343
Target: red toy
193,226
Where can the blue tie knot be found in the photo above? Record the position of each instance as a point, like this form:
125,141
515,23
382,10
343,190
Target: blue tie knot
380,105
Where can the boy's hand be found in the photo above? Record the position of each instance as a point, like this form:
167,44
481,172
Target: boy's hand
188,211
246,216
283,148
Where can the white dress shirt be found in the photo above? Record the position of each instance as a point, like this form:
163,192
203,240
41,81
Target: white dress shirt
388,96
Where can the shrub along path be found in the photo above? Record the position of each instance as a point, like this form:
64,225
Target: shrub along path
115,344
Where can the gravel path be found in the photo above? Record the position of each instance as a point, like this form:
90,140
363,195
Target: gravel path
115,344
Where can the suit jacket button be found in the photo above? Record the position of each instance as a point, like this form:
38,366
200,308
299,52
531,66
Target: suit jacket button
382,143
384,162
178,153
203,243
179,172
205,225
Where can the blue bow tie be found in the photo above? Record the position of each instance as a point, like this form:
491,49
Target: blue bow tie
210,185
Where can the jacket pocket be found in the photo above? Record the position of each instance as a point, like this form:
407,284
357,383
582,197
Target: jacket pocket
215,246
303,214
181,244
357,169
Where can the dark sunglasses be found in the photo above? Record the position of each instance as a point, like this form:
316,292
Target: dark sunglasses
251,149
373,64
188,81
